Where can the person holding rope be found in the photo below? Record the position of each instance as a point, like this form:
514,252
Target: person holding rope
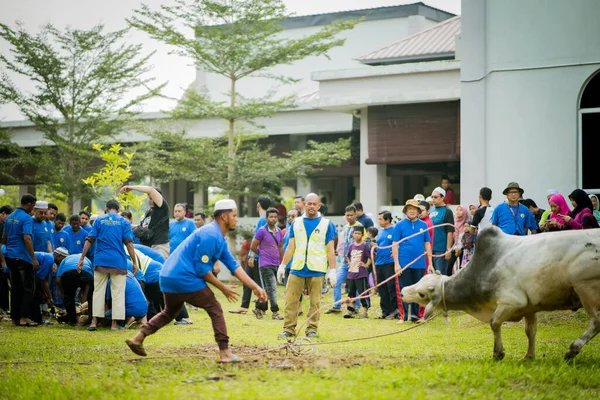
384,266
409,250
312,247
184,276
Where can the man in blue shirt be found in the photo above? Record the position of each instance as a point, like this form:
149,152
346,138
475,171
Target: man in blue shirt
185,273
312,247
69,279
109,233
181,228
136,305
42,238
21,260
5,211
43,274
76,234
512,217
61,238
384,264
410,250
443,238
361,217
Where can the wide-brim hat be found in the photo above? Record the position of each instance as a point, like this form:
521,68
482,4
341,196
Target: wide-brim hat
411,203
513,185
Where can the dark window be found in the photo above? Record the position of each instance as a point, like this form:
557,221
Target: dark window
591,94
590,134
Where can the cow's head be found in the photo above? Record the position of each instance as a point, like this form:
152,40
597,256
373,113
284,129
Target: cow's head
427,292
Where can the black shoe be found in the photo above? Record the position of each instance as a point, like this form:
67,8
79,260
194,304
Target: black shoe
333,310
312,335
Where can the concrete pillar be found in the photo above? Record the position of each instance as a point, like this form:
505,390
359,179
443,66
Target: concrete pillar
24,189
373,178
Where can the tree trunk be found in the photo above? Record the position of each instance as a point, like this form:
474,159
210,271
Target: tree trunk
231,133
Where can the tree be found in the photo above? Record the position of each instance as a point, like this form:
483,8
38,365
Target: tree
237,39
115,173
87,85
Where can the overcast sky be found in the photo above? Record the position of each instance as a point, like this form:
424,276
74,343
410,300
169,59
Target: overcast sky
83,14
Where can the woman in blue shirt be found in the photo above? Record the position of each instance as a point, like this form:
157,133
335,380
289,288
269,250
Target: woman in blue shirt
409,250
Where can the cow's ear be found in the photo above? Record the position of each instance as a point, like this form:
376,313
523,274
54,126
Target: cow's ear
431,288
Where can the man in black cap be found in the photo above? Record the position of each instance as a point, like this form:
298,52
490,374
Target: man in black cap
512,217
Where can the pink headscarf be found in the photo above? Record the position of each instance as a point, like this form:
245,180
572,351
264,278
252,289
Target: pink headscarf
459,223
563,208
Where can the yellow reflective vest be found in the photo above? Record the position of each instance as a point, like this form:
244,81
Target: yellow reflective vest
312,250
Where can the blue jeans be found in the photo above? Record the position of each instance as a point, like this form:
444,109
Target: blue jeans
440,263
409,277
342,274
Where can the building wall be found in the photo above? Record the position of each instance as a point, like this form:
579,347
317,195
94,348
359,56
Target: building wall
520,88
365,37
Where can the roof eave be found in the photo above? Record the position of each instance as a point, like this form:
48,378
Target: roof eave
409,59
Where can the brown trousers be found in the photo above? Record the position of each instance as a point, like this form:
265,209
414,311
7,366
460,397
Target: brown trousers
205,299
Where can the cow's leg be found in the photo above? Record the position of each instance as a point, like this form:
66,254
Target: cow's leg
530,331
501,314
589,298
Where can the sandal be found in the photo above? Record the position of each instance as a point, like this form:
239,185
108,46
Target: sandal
235,359
238,311
29,324
136,348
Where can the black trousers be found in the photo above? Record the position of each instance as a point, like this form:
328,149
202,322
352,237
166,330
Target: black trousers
387,292
71,281
156,301
22,279
35,313
357,286
253,273
4,291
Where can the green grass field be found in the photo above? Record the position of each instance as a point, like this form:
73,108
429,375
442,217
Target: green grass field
436,360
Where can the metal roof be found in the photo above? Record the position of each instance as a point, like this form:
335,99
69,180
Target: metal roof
436,42
370,14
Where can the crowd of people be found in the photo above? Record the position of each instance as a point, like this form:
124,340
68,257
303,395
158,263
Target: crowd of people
102,269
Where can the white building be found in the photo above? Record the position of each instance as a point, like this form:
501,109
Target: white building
530,96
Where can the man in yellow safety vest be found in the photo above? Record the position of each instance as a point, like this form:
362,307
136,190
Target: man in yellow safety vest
312,247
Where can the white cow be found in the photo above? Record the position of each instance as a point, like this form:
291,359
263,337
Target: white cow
511,277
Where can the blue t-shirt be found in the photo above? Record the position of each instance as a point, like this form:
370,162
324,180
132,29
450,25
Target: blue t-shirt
184,269
383,239
152,272
61,239
179,231
69,229
111,232
440,215
514,220
365,221
150,252
17,224
41,236
411,248
309,226
76,240
139,274
50,225
70,264
46,261
135,301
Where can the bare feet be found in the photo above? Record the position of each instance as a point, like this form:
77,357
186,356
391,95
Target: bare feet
226,356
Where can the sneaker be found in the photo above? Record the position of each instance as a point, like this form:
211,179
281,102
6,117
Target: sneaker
277,316
333,311
349,314
364,314
312,335
258,313
285,335
393,315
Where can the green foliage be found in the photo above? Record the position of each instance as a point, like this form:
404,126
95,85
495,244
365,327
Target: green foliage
236,39
12,156
172,156
115,173
81,80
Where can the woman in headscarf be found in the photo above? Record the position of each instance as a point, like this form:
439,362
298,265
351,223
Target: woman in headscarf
582,206
461,216
558,207
596,207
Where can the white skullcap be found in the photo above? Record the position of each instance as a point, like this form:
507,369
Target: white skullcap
41,204
419,197
552,192
440,191
62,251
225,204
429,199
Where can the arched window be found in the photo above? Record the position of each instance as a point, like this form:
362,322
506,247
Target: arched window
589,134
